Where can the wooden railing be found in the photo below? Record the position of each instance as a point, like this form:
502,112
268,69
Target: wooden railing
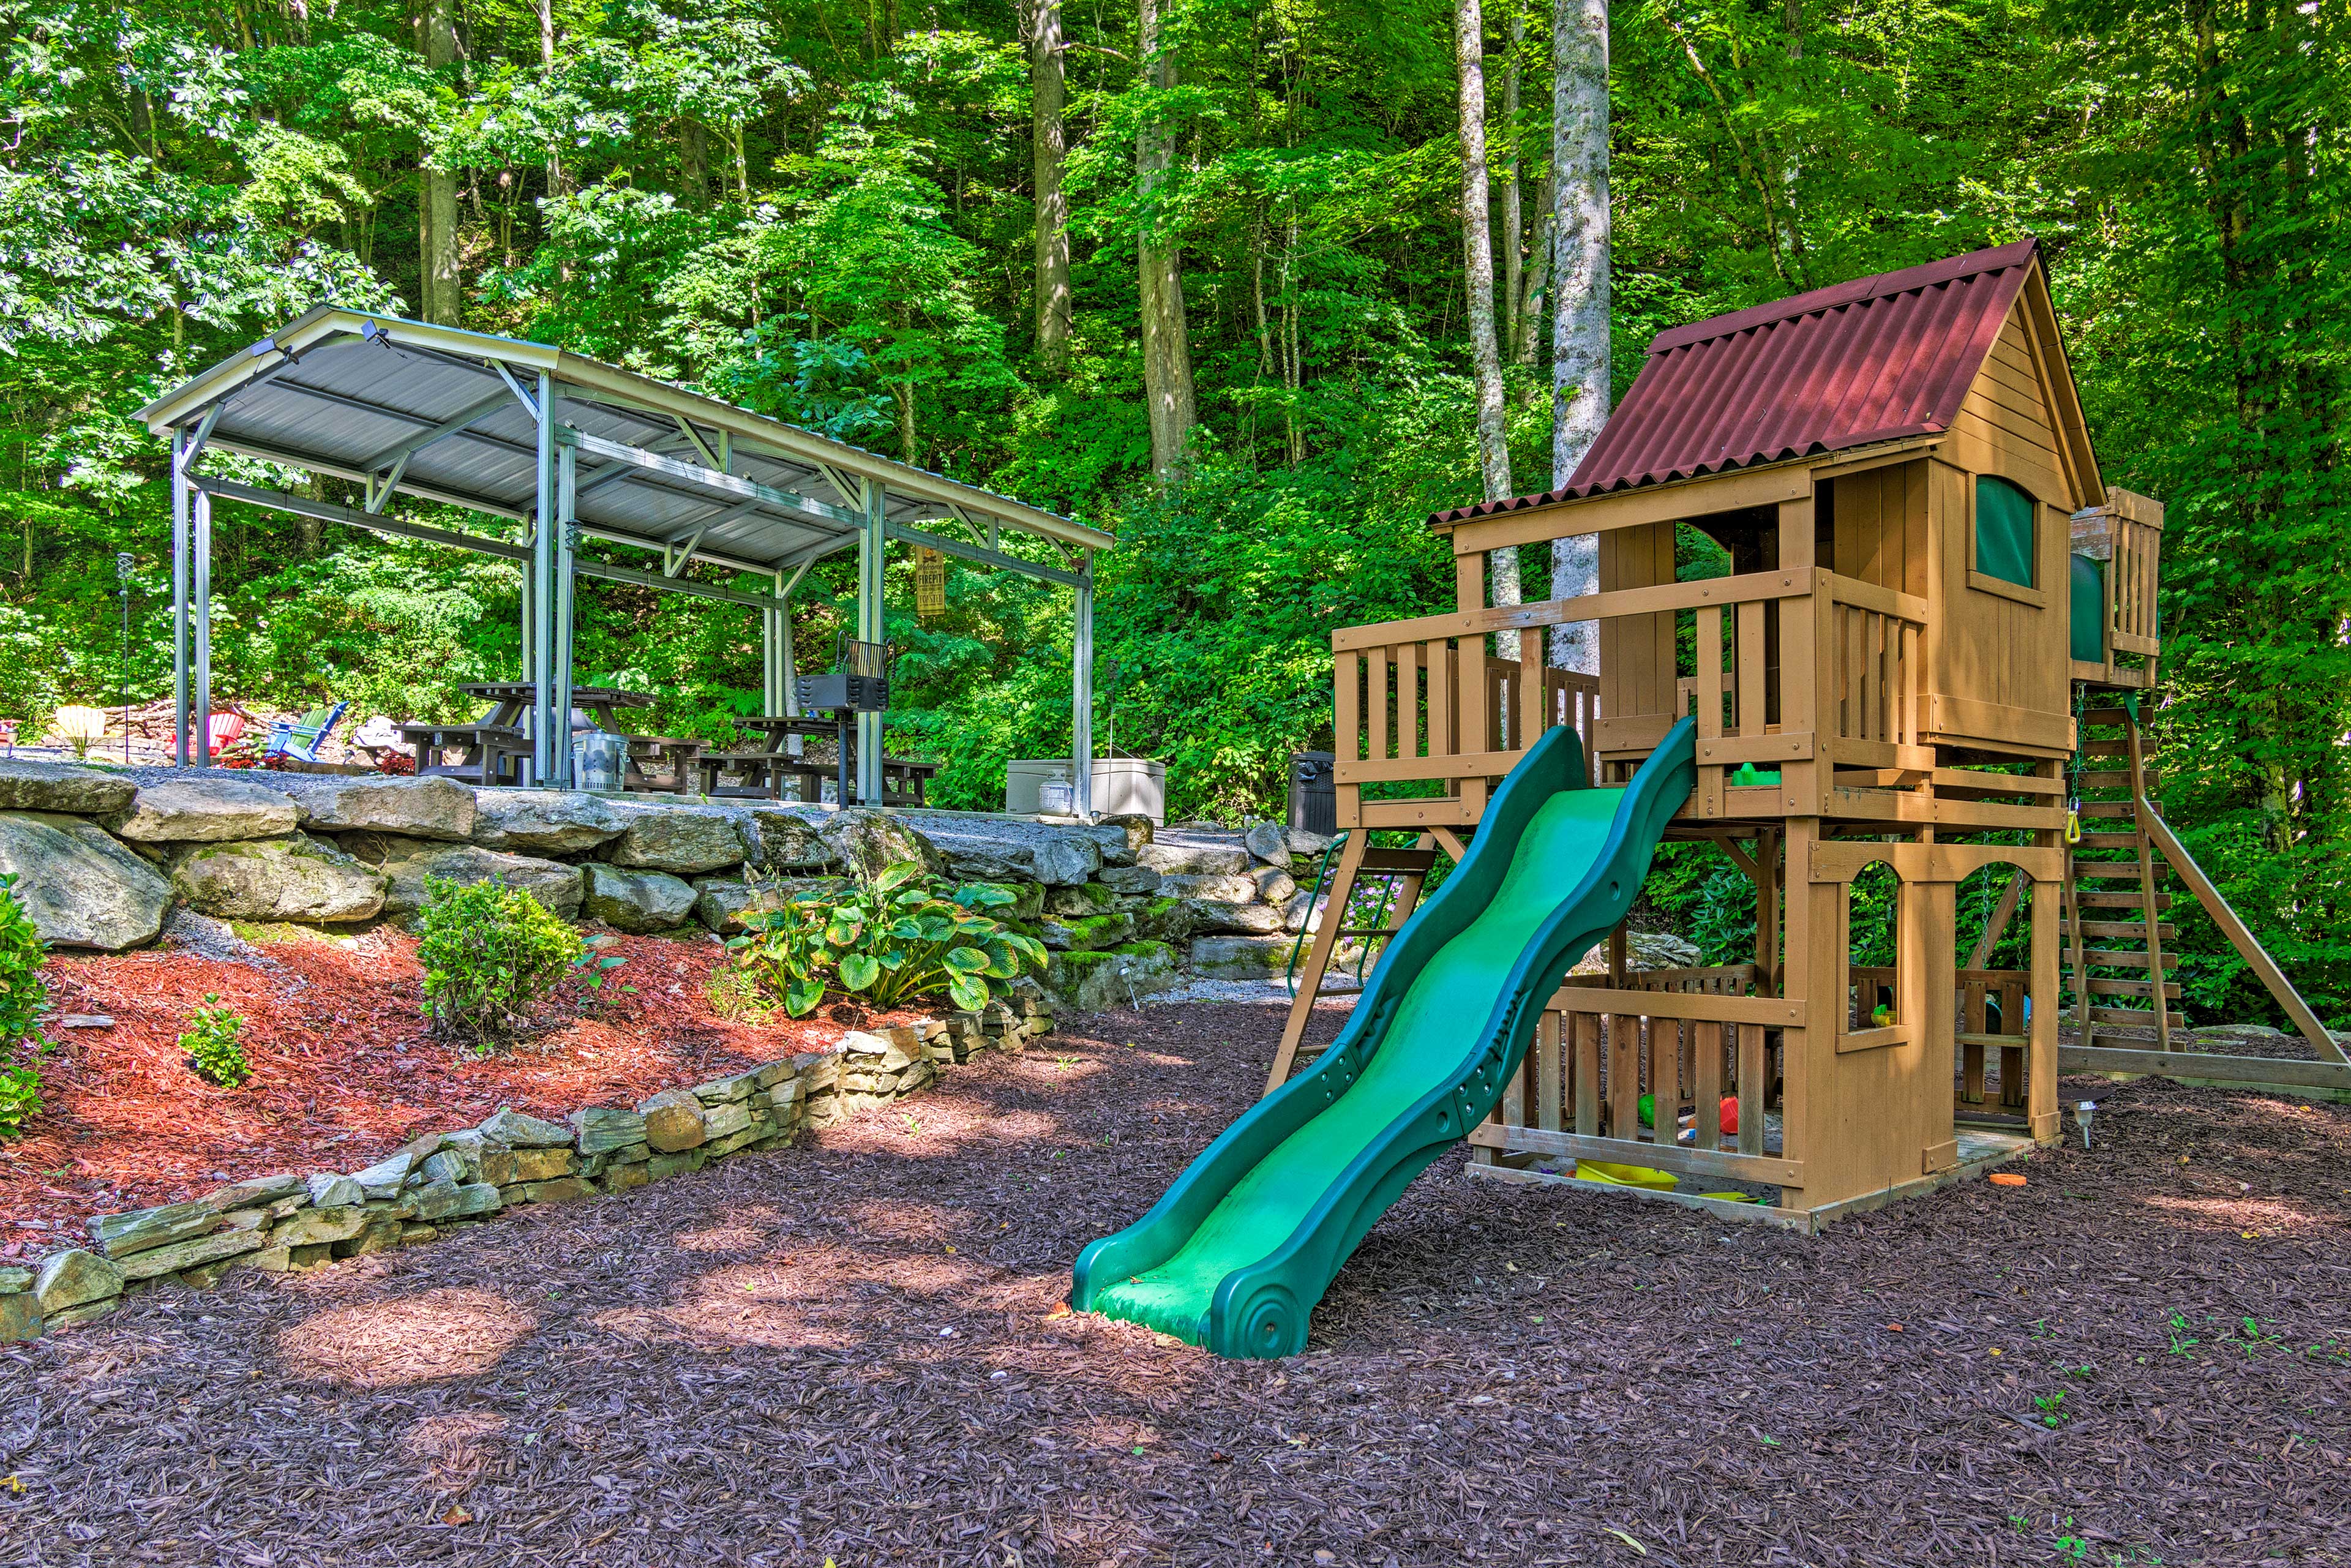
1423,701
1870,673
1688,1037
1992,1017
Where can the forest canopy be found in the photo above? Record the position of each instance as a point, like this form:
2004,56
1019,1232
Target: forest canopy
831,213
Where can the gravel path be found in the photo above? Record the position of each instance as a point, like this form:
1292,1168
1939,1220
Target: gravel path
850,1351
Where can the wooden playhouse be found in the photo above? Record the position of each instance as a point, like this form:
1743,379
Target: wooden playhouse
1925,567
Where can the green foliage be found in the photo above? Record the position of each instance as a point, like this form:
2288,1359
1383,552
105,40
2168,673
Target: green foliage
215,1053
20,1097
492,955
831,219
23,995
898,936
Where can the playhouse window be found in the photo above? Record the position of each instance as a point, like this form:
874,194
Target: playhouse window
2004,531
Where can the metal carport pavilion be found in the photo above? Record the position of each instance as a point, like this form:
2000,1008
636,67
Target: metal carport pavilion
573,449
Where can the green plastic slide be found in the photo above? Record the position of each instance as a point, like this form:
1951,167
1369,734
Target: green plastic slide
1246,1242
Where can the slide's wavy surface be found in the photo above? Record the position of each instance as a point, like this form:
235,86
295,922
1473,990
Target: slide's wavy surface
1245,1242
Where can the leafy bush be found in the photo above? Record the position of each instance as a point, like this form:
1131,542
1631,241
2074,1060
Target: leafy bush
24,1002
899,935
492,952
215,1052
20,1097
23,996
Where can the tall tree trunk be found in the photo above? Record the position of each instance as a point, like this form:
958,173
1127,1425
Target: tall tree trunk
694,163
1047,96
1526,315
1478,275
1167,341
1514,224
1579,368
436,205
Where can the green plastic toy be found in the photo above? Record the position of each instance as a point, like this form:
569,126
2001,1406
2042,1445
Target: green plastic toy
1238,1251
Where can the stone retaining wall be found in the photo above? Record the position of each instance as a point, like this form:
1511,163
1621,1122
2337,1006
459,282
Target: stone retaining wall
102,856
443,1182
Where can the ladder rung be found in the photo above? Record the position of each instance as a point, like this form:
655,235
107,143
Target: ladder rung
2108,842
2135,1018
2102,778
2123,957
2105,987
2122,900
2119,930
2106,715
1398,862
2105,807
2108,871
2104,748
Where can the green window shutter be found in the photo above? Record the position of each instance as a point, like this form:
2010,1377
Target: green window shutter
2004,531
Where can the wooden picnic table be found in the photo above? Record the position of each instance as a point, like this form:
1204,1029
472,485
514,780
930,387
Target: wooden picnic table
513,699
762,773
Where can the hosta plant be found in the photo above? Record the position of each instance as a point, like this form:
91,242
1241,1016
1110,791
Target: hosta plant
883,942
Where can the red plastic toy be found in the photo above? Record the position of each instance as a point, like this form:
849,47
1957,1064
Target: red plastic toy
1729,1117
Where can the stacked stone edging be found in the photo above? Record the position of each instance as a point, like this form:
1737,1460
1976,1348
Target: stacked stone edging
440,1183
101,858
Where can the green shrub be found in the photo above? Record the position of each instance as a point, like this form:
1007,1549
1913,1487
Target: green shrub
24,1002
492,954
20,1097
214,1052
883,941
23,996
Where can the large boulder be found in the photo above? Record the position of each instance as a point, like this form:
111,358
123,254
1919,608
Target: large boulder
636,900
868,843
406,862
1193,856
412,808
205,810
1241,958
683,838
28,785
1009,849
294,878
791,837
1094,982
1643,950
1237,919
1209,889
80,884
543,821
726,904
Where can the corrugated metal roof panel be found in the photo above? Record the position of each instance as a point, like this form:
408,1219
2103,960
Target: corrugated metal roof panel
1873,360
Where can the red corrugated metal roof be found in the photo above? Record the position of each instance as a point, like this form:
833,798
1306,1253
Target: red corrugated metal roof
1873,360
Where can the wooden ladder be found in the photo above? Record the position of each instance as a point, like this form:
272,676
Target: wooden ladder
2114,903
1405,873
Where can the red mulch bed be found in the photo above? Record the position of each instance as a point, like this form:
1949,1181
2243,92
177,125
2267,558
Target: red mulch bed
344,1070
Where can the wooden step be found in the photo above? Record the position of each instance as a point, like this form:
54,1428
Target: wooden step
2106,715
2106,809
2119,930
2108,871
2125,957
2134,1018
1380,861
2104,987
2121,900
2103,748
2108,842
2097,778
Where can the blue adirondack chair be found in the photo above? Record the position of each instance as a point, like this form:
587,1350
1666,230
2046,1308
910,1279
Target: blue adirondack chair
299,739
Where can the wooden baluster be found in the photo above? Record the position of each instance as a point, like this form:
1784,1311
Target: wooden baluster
1709,1077
1408,699
1586,1036
1379,729
2011,1057
1550,1090
1534,691
1709,708
1752,1089
1749,710
1472,726
1664,1086
1346,732
1624,1076
1436,657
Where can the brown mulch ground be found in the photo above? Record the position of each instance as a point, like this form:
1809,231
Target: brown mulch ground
848,1351
344,1070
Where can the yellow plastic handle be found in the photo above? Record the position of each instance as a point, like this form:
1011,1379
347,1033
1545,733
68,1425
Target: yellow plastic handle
2073,827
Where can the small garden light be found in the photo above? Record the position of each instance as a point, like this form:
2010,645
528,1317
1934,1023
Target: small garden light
2082,1114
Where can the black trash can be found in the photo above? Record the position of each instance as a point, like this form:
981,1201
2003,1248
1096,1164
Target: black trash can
1314,794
